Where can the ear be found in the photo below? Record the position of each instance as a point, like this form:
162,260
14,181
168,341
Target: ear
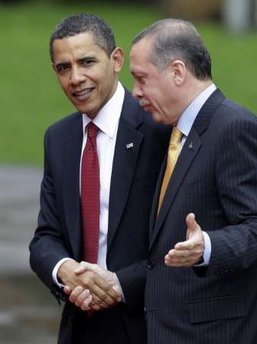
178,71
117,57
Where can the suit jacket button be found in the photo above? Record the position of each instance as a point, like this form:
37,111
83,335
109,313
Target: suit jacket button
150,265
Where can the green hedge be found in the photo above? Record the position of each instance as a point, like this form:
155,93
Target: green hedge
31,98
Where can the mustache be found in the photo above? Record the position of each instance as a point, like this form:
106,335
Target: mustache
142,102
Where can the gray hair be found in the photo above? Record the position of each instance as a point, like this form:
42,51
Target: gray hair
177,39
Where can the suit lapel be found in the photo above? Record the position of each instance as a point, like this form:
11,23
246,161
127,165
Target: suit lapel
157,194
186,157
127,148
71,193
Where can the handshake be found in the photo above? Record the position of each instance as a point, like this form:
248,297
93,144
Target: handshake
89,286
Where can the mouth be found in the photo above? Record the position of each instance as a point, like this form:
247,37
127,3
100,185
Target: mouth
82,95
142,102
145,104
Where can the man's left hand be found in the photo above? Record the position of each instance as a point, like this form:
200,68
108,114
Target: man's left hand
190,252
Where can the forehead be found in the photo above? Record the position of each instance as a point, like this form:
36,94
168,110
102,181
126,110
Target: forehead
140,56
140,49
82,43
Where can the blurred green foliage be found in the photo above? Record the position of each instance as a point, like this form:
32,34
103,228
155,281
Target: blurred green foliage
31,98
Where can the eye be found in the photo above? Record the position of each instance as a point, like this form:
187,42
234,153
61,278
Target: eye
141,79
87,61
62,67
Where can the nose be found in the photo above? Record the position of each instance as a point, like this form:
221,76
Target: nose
76,76
136,91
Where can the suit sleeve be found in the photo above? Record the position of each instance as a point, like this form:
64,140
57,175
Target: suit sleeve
47,246
132,280
234,247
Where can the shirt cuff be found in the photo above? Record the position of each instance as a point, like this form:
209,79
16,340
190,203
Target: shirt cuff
207,251
55,271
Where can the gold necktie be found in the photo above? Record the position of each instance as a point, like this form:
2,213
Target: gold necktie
173,153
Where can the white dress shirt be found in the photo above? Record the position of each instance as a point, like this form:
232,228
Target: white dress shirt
107,121
185,124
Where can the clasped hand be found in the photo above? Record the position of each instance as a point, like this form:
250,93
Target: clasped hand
89,286
190,252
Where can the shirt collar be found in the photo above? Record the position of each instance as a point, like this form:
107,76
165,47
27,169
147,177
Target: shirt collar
108,117
188,116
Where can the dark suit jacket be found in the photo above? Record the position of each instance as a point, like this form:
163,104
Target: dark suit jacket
58,235
216,178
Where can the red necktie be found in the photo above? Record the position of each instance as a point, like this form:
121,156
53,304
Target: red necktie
90,196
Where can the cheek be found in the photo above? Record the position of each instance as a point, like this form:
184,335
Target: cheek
149,91
63,83
104,86
164,94
155,96
101,78
153,89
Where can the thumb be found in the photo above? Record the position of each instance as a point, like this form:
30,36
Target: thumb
192,225
83,266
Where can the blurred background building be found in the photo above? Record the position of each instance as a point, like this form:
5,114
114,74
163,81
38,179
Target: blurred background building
237,15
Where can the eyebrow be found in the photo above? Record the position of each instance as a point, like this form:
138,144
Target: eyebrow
138,74
61,64
80,59
90,58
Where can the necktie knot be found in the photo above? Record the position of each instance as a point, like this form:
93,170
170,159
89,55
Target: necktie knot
92,130
175,136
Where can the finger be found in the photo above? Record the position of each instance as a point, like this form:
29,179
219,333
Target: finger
178,261
105,297
192,225
178,256
173,258
174,262
85,305
91,267
97,304
178,253
183,257
96,307
190,221
82,267
76,293
82,297
186,245
67,290
98,286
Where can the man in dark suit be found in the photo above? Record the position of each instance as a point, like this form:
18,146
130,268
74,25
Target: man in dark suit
103,304
202,268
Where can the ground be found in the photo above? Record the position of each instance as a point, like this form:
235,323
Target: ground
29,314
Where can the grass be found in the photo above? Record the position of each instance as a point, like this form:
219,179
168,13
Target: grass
234,63
31,98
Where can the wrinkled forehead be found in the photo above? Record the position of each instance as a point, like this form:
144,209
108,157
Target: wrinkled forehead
141,52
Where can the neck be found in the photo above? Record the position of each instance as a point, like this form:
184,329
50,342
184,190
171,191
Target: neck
193,90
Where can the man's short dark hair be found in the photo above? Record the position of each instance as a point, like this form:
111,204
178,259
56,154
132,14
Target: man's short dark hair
81,23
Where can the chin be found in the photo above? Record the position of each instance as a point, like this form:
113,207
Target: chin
158,118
